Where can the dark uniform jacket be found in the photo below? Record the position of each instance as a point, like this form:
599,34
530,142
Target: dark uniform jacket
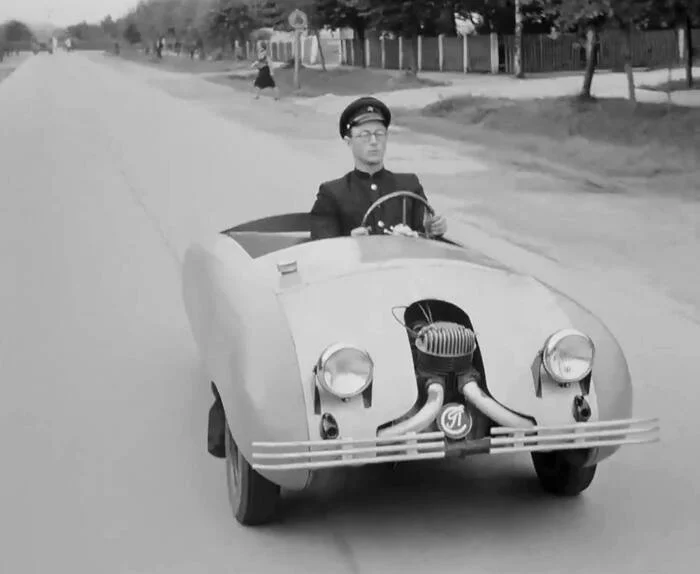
342,203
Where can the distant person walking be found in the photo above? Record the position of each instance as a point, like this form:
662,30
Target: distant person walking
264,78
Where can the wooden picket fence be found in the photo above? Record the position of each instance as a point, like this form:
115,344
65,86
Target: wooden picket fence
494,53
541,53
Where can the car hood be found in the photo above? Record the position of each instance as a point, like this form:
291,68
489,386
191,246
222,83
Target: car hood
512,316
318,261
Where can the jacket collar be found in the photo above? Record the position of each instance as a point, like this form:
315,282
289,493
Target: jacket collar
364,175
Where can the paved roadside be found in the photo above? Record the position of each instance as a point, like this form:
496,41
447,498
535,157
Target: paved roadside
605,85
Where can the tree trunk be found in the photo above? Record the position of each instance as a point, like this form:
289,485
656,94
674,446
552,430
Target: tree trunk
360,35
591,41
518,52
448,24
628,64
412,69
688,51
320,50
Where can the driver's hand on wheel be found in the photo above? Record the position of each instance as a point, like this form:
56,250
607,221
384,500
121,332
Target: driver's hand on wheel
435,225
359,231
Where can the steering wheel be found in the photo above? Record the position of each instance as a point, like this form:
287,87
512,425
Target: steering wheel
395,194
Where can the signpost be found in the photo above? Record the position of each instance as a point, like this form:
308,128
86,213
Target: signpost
299,21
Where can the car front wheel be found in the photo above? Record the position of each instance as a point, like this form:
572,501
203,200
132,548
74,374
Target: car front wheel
253,498
559,475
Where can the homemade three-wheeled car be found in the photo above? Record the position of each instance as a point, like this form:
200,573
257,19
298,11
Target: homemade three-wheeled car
394,347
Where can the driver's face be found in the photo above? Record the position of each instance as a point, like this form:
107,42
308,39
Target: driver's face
368,142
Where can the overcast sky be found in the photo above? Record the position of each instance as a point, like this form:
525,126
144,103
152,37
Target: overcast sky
63,12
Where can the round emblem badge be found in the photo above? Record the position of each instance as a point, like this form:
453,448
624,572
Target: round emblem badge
454,421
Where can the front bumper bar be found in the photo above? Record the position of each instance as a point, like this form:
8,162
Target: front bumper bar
314,455
574,436
348,452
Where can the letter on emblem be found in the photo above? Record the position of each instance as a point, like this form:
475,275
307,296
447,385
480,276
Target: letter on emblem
454,421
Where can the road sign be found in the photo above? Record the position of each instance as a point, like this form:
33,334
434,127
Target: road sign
298,20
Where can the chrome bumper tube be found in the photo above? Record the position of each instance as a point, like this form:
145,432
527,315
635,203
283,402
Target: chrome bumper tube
423,418
493,410
313,455
574,436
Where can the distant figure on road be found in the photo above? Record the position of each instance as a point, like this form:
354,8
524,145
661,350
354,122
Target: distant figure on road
264,78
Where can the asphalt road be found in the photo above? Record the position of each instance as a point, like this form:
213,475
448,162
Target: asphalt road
105,180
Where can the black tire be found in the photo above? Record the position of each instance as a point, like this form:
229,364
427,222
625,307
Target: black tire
253,498
216,427
558,475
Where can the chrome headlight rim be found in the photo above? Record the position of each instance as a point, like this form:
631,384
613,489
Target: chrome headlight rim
550,346
327,354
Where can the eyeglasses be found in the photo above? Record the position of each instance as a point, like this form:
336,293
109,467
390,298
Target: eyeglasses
366,135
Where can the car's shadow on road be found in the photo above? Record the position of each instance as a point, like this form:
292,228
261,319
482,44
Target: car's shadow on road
481,493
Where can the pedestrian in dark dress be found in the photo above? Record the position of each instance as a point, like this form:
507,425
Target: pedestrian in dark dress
264,78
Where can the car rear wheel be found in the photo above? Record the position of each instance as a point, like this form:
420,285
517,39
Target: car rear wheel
253,498
560,476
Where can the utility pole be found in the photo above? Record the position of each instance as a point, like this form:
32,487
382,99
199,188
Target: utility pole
297,20
518,51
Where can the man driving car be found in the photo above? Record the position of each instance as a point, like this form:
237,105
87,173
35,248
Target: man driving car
342,203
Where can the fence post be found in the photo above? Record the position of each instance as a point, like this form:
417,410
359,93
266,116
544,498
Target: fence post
495,63
441,51
419,55
400,52
465,53
381,40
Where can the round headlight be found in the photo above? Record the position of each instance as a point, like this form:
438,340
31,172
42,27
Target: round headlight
344,371
568,356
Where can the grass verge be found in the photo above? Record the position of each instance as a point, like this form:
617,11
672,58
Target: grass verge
182,64
336,81
5,72
608,137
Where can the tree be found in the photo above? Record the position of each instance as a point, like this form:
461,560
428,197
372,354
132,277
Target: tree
518,53
232,21
346,14
683,14
109,27
16,31
405,18
498,15
131,33
592,16
586,17
627,15
316,24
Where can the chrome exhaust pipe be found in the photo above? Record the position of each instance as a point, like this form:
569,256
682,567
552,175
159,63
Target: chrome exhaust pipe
490,408
423,418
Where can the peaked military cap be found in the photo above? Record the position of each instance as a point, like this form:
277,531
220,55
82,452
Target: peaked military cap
364,109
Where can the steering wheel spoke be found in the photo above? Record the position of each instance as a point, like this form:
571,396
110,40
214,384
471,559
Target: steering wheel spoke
405,195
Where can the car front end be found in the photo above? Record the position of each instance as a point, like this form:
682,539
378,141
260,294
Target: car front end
457,370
